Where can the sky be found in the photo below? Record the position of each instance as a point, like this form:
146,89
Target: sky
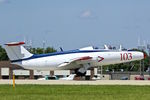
74,24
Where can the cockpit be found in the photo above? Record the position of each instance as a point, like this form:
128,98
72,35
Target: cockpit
105,47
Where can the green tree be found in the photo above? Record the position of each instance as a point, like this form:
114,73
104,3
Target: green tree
50,50
32,50
41,50
3,55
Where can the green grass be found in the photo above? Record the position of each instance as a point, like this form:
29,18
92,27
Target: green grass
74,92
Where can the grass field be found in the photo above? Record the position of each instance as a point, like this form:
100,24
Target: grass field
71,92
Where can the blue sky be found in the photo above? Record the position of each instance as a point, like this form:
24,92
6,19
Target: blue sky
75,23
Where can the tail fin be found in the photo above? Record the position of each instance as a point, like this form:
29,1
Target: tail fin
16,51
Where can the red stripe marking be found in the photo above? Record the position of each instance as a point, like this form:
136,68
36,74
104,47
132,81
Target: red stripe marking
85,58
101,58
15,43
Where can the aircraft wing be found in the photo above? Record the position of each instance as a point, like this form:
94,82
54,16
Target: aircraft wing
80,60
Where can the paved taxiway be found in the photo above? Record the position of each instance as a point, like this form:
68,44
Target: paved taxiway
64,82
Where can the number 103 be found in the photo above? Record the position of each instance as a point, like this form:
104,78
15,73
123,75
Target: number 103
126,56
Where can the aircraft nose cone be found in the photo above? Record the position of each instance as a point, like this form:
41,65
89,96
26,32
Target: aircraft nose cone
139,55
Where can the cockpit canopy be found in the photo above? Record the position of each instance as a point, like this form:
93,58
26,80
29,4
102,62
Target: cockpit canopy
105,47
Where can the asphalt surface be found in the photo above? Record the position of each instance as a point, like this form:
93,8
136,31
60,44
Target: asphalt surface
73,82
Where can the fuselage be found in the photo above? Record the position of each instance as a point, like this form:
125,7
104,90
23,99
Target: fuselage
99,57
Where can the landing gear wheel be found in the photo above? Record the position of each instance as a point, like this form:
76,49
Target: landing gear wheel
79,73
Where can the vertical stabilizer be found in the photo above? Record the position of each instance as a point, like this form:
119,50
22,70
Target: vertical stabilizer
16,51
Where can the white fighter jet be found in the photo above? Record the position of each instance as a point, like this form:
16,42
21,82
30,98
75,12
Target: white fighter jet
79,60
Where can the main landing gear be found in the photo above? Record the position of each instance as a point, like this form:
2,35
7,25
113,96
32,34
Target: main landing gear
82,71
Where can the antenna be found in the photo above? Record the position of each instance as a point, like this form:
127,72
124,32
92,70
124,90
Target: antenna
43,46
24,39
120,48
61,49
148,47
143,48
30,43
144,43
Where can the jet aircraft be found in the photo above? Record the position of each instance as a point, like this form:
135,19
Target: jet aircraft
79,60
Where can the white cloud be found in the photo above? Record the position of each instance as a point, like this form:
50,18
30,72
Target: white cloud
86,14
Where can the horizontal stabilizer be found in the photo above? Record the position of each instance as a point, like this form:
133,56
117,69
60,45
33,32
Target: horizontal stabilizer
14,43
